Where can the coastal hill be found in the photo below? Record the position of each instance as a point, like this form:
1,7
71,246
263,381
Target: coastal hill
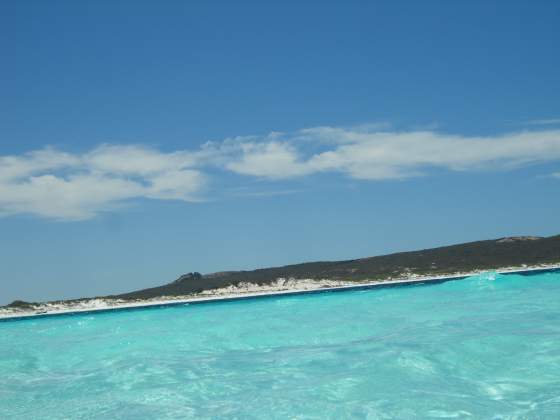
480,255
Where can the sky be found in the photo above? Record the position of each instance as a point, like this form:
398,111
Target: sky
140,140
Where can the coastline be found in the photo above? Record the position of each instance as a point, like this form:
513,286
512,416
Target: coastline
98,305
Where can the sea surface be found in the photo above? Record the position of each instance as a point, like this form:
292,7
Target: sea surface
486,347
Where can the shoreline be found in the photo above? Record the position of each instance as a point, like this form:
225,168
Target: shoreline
207,297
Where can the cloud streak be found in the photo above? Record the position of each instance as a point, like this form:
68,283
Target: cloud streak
550,121
59,185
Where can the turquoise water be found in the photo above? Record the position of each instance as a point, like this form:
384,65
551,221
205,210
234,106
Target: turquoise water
484,347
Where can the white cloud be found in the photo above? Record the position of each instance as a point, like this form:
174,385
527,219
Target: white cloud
270,160
401,155
59,185
74,198
136,160
550,121
385,155
46,159
175,185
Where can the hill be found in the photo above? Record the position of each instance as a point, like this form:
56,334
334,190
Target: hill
480,255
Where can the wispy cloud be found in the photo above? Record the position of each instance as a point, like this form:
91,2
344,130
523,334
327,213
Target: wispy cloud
59,185
551,121
274,160
246,192
386,155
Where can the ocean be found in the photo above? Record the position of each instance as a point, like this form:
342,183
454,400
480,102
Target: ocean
486,346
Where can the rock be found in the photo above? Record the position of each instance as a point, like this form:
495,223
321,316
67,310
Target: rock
189,276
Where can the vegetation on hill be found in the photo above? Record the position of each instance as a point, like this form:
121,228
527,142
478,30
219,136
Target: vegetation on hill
481,255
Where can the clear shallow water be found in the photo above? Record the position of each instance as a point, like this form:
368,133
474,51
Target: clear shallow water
474,348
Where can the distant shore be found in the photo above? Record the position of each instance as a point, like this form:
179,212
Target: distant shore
295,287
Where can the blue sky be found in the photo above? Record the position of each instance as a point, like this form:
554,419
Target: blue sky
141,140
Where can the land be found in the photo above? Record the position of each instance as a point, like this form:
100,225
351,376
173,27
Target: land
508,254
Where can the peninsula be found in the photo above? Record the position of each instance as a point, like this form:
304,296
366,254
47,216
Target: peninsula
509,254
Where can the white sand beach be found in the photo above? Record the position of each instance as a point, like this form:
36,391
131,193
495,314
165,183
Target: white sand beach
241,291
